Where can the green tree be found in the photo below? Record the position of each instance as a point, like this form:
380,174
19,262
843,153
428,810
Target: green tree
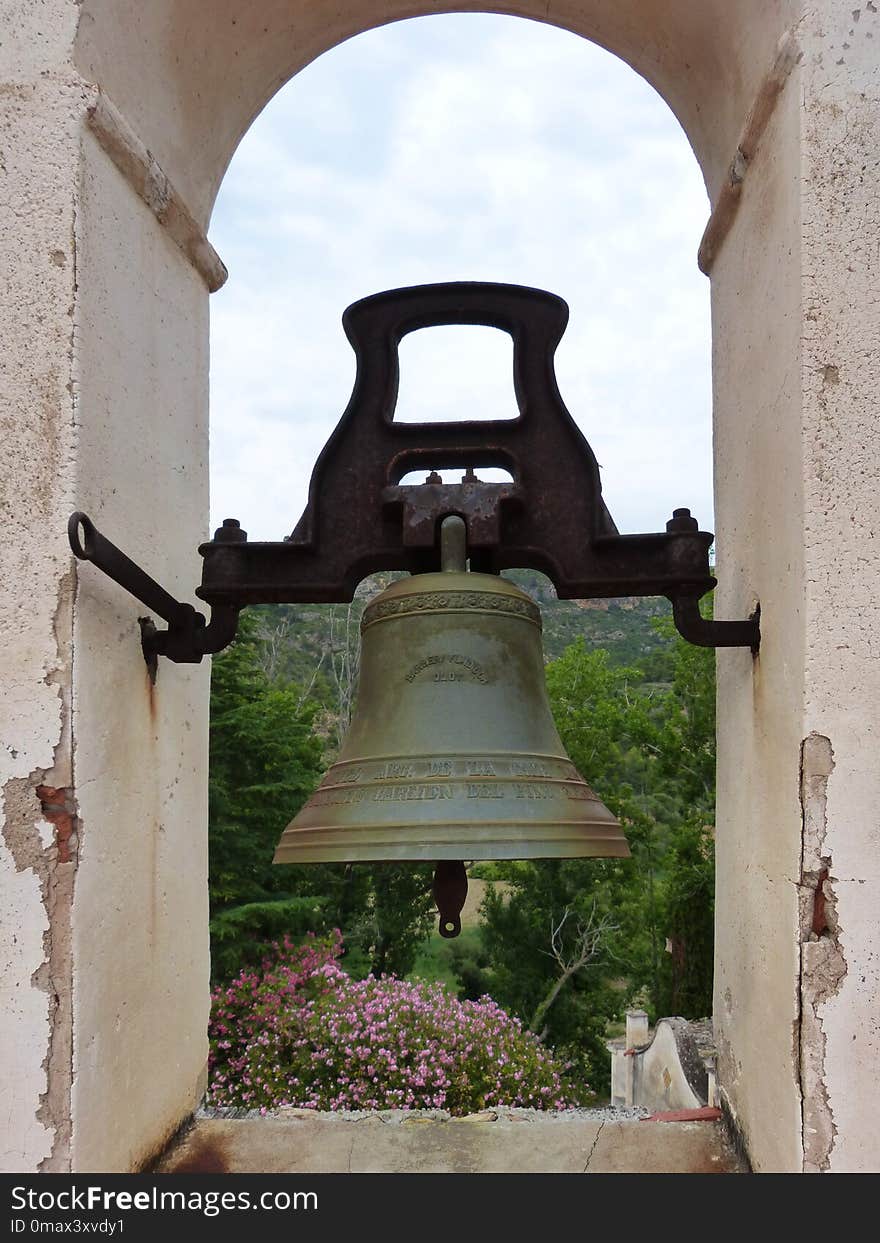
265,760
522,972
610,728
687,724
688,912
397,917
571,942
687,757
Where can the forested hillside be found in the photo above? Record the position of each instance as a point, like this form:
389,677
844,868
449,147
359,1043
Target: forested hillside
301,639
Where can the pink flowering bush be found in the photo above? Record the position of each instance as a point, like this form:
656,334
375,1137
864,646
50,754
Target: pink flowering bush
302,1032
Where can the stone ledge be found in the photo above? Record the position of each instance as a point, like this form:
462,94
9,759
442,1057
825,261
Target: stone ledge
431,1142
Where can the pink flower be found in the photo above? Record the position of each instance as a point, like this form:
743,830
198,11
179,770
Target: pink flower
302,1032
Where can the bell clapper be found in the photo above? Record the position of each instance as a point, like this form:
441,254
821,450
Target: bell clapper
450,891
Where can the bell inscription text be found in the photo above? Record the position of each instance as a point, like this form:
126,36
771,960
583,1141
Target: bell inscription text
448,667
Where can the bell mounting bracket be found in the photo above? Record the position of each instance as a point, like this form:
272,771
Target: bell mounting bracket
360,519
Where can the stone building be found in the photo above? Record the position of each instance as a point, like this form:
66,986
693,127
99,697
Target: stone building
118,121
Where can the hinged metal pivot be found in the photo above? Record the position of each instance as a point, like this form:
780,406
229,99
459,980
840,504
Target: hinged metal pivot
189,636
360,519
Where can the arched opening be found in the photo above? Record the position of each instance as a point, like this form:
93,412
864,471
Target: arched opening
464,168
188,90
423,151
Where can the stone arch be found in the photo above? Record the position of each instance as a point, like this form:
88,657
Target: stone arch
111,911
191,84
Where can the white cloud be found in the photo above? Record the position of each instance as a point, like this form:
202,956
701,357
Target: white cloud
477,148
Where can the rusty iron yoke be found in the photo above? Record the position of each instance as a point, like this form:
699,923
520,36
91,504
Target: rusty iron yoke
360,519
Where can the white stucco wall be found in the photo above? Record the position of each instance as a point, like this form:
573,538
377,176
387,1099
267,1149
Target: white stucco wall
40,102
756,300
140,918
841,461
797,309
192,107
104,407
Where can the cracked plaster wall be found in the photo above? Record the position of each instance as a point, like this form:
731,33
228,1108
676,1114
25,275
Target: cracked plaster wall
40,99
103,860
823,966
841,452
797,508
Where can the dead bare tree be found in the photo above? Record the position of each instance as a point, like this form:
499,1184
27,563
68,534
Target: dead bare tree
586,946
273,637
343,657
338,656
342,650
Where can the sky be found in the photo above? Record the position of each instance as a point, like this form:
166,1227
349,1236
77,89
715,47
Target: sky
463,147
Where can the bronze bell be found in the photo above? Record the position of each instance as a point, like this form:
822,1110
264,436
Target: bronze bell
452,752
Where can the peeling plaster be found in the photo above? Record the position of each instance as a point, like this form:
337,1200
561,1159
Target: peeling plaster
41,831
41,105
822,962
53,865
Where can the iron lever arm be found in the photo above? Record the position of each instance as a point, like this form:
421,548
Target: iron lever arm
188,637
706,632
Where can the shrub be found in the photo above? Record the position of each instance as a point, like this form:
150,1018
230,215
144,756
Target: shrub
302,1032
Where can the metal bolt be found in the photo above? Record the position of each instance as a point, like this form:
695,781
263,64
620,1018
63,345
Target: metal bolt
230,532
681,520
